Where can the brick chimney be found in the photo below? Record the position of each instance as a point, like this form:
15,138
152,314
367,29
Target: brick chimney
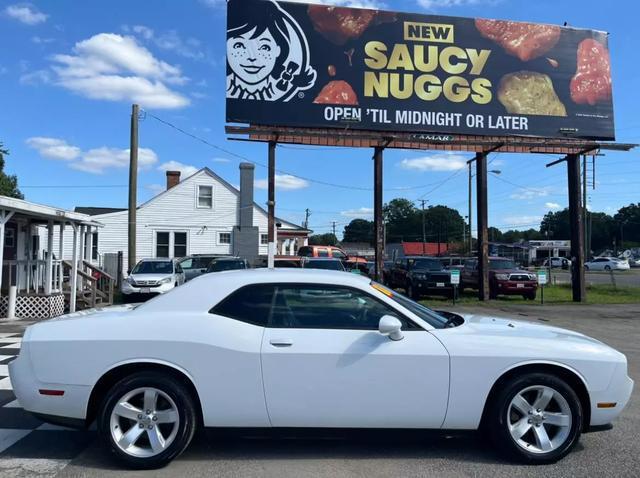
173,178
246,236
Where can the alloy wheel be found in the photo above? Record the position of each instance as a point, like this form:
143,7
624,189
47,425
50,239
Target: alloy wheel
144,422
539,419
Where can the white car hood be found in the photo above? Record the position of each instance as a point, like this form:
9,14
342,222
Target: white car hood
487,325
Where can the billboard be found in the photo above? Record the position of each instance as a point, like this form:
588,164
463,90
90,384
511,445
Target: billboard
299,65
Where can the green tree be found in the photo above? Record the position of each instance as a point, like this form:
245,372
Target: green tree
328,239
495,234
8,182
627,221
402,219
359,230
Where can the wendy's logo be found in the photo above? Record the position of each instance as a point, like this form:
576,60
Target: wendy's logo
267,52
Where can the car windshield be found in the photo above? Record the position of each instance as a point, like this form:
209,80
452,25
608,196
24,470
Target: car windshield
428,264
429,316
219,266
153,267
497,264
328,265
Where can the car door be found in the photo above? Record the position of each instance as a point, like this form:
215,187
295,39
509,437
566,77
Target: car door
325,364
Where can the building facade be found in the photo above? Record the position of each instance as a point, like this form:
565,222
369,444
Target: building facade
202,214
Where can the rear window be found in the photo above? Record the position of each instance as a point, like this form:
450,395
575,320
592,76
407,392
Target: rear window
305,251
497,264
250,304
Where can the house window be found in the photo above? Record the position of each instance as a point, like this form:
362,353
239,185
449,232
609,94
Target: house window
162,244
94,247
9,237
264,239
179,244
205,197
224,238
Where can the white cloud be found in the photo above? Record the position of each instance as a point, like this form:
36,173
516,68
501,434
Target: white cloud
530,193
54,148
552,205
94,161
112,67
436,162
25,13
186,170
37,77
170,40
285,182
221,160
522,221
39,40
363,212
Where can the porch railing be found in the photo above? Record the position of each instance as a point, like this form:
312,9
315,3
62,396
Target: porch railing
30,275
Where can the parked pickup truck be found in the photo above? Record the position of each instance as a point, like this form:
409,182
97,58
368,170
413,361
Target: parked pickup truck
419,275
505,278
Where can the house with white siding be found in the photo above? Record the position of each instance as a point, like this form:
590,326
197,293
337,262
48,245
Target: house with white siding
201,214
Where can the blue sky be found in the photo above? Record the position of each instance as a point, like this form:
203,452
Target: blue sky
70,70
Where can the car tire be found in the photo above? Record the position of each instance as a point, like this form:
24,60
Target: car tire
525,435
586,267
151,440
607,268
530,296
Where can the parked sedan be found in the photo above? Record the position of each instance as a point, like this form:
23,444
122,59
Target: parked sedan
323,263
150,277
607,264
227,264
286,348
196,265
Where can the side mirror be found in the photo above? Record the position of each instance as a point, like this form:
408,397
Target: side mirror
391,327
128,271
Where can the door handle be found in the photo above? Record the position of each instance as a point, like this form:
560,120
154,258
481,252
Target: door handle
281,342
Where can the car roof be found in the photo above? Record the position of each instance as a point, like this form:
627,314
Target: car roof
309,259
229,259
421,257
156,259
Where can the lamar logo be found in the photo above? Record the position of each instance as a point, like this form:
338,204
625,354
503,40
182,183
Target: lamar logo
431,32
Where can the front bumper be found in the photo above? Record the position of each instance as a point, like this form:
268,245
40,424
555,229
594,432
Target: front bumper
618,392
516,287
128,289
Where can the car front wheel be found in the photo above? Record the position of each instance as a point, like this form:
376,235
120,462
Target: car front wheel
535,419
147,419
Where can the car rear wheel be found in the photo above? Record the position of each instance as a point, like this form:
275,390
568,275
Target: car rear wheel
586,267
607,268
147,419
535,419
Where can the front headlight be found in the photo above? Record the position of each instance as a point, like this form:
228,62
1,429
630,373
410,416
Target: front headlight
166,280
131,281
502,276
532,277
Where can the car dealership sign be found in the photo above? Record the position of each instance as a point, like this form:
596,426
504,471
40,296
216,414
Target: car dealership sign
377,70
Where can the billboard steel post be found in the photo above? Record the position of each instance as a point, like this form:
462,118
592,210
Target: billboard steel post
133,187
377,211
483,234
577,232
271,206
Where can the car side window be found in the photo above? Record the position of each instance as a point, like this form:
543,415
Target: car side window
250,304
187,264
311,306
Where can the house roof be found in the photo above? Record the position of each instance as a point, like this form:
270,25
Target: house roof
94,211
42,211
286,224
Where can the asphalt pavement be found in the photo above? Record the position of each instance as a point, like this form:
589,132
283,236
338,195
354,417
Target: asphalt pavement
616,452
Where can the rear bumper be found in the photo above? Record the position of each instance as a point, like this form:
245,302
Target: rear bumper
70,407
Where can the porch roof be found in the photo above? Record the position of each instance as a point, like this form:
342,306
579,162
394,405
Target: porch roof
41,211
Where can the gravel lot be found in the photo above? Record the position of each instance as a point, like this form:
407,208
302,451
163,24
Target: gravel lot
614,452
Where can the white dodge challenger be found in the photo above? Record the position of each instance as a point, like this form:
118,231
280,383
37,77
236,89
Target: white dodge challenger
312,348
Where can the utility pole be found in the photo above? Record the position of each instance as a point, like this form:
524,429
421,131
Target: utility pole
378,222
133,186
333,227
307,213
424,232
584,204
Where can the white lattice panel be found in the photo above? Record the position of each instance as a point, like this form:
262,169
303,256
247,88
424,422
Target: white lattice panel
34,306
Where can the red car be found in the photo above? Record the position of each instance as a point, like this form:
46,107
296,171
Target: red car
505,278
